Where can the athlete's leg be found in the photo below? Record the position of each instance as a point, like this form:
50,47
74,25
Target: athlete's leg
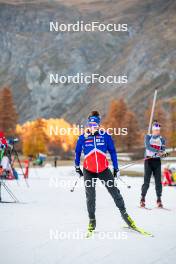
157,177
147,177
108,180
90,184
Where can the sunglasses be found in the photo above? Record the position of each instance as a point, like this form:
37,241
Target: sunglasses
156,125
92,124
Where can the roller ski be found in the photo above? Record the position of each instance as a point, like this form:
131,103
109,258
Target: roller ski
142,202
143,205
139,230
131,225
159,203
91,228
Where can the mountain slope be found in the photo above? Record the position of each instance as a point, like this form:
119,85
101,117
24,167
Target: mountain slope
29,52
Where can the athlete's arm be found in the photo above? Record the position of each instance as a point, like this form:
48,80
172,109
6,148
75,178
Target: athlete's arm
78,150
111,149
163,147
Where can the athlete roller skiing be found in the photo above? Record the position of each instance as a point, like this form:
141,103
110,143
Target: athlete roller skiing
154,150
95,145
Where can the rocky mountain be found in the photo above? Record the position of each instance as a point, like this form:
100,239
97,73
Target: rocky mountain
29,52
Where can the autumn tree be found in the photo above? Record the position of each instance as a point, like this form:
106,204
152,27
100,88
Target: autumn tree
55,146
172,126
133,138
115,119
120,118
8,113
116,113
35,139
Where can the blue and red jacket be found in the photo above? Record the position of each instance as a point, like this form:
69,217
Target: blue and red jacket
95,148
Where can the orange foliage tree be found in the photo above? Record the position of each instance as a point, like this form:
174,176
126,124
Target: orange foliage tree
133,138
8,113
43,135
35,139
172,126
120,117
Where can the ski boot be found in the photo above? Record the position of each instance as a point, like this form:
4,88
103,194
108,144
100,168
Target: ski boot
159,203
92,225
128,219
142,202
91,228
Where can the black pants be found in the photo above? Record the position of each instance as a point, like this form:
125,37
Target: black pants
152,166
108,180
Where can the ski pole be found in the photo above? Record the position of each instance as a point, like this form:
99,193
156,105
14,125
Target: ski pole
152,111
128,186
133,163
10,192
27,184
127,166
74,186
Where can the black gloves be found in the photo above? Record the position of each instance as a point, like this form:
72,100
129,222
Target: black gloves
165,154
162,154
79,171
116,173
